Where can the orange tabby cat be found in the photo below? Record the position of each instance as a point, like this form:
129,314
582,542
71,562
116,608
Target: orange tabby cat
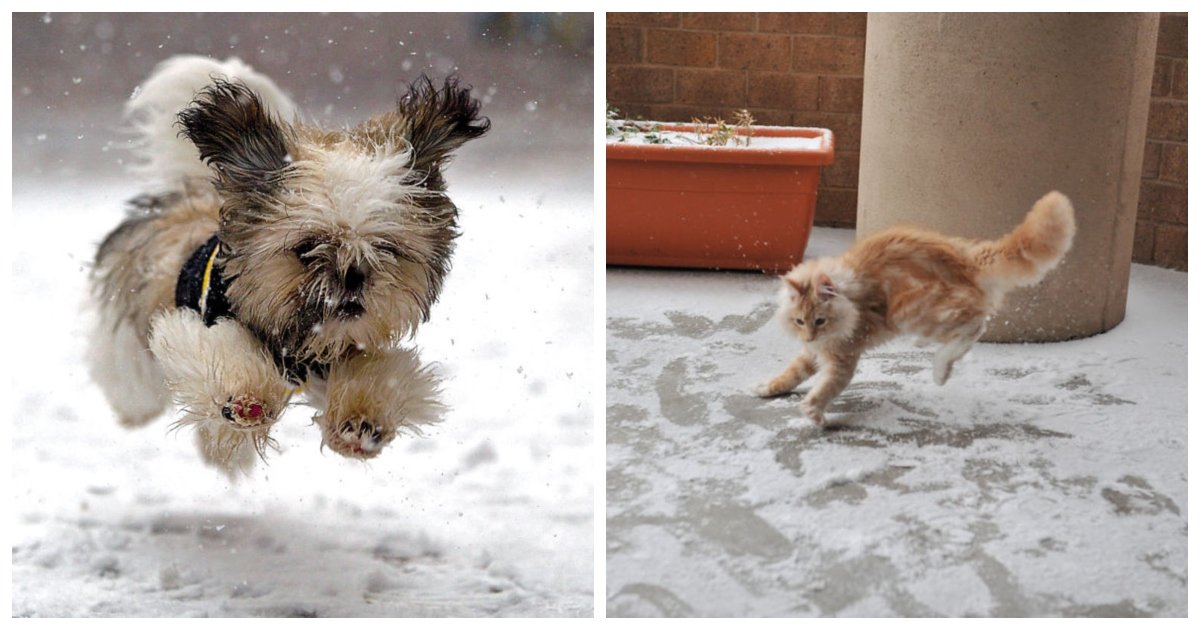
909,281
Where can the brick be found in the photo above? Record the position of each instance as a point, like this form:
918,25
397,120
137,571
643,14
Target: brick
624,45
681,48
1162,203
1168,121
846,128
841,94
667,112
774,117
1179,80
846,24
1150,160
836,207
681,113
1143,242
1172,35
1170,246
815,23
1174,164
642,19
780,90
755,51
843,173
639,85
719,21
1160,85
635,111
715,88
828,55
850,24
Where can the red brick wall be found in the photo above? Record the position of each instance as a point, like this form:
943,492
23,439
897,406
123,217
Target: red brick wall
1161,236
806,69
801,69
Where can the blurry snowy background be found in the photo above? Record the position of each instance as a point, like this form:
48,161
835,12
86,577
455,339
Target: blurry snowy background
490,514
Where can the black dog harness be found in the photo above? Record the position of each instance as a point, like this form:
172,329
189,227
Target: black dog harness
201,286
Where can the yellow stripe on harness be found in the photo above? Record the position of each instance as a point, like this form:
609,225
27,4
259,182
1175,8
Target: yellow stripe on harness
207,279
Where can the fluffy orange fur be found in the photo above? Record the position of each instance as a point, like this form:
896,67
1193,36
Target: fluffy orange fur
909,281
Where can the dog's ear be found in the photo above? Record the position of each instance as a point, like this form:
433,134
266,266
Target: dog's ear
237,136
432,122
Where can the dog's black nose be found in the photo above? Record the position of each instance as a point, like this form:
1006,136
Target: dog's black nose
354,280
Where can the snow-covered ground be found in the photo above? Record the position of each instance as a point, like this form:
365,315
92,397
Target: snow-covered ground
490,514
1041,480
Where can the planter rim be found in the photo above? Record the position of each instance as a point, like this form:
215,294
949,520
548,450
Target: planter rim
821,155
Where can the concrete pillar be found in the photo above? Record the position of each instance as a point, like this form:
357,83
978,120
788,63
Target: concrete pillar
969,118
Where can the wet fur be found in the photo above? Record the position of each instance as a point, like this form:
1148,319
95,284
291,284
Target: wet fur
335,245
907,281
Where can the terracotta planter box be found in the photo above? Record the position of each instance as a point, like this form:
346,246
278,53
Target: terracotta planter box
682,205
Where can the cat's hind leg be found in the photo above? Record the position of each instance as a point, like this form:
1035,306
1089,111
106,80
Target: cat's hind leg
955,346
795,373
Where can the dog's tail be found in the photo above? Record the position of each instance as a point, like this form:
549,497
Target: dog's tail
162,156
1033,248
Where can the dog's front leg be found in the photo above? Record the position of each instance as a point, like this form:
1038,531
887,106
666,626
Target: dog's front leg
366,400
227,384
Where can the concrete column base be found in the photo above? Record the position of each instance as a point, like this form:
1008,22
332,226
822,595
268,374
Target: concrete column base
970,118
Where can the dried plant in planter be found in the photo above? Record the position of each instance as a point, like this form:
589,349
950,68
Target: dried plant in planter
715,132
710,131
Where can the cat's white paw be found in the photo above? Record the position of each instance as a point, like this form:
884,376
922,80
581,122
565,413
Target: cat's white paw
763,390
941,372
814,414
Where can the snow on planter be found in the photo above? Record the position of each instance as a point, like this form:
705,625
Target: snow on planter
687,204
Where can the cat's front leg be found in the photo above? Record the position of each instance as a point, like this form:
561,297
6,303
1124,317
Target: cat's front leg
792,376
835,374
367,400
225,382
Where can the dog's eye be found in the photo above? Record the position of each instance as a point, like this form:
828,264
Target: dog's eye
396,251
820,321
306,248
800,322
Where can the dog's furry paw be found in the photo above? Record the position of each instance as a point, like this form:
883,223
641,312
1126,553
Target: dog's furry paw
246,412
357,438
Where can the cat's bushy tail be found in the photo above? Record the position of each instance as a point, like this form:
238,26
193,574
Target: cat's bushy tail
1025,255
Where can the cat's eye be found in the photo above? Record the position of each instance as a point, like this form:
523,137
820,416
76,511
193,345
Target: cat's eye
800,322
820,321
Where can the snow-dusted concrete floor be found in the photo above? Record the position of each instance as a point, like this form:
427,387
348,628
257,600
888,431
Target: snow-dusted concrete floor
489,514
1041,480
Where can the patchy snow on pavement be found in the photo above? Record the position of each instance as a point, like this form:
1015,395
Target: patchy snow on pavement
1041,480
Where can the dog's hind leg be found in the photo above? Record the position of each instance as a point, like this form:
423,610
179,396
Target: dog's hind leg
367,400
225,381
121,364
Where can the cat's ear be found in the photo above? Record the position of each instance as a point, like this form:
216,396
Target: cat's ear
825,287
799,288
